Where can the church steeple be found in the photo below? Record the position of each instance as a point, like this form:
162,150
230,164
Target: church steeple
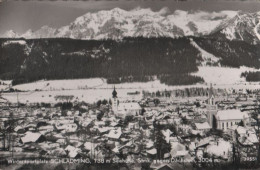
211,95
211,107
114,101
114,93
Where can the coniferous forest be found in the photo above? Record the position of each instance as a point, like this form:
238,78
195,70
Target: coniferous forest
251,76
128,60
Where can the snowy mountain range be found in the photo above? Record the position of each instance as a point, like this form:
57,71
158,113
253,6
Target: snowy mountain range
118,23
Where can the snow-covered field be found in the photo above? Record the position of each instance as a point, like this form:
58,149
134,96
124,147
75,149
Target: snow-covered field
22,42
91,90
90,95
52,85
223,76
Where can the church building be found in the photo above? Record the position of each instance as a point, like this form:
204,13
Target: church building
122,109
227,118
223,119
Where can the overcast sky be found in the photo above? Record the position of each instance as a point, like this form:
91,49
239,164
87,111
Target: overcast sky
23,15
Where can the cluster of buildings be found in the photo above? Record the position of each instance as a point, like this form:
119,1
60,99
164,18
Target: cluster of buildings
138,134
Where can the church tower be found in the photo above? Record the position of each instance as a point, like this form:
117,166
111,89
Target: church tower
114,101
211,107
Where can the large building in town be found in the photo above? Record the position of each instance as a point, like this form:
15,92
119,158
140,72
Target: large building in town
122,109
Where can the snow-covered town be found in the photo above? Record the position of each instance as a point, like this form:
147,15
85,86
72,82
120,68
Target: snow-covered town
129,84
181,129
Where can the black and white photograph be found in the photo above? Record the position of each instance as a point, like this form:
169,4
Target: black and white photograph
129,84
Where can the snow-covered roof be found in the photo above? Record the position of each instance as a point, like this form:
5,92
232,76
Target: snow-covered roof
181,153
195,132
115,134
202,126
247,136
50,127
113,124
205,141
129,106
252,138
175,147
116,150
104,129
149,144
85,123
69,148
18,128
30,137
234,114
61,141
241,130
99,123
73,151
192,146
173,139
152,151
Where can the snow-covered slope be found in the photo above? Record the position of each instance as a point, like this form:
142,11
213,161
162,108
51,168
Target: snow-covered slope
10,34
207,58
28,34
257,30
118,23
43,32
244,26
199,22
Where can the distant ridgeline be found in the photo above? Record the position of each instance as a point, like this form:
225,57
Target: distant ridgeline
127,60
